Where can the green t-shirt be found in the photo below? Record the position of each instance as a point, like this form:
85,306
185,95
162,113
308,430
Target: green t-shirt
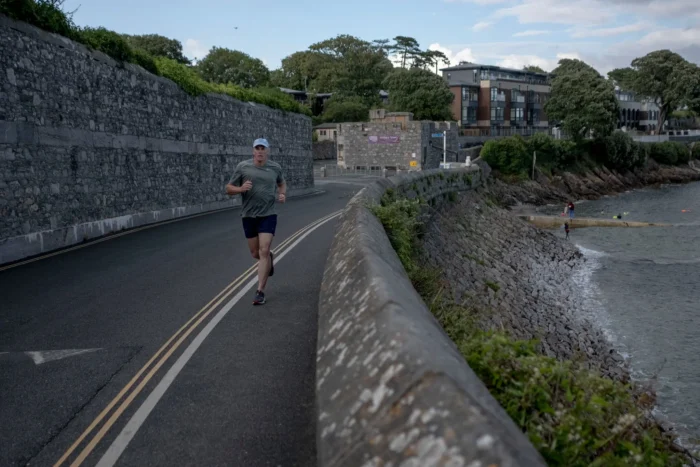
260,200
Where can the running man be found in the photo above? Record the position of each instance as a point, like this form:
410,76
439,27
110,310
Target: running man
255,179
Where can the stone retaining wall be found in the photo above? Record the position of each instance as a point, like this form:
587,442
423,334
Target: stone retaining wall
392,388
89,146
325,150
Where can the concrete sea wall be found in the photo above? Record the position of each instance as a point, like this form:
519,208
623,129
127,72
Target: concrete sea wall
392,388
89,146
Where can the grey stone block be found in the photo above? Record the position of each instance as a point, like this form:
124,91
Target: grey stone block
8,132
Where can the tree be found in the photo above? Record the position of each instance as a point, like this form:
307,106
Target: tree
357,67
419,91
338,109
232,66
431,58
407,48
534,69
306,71
582,99
662,76
622,77
158,46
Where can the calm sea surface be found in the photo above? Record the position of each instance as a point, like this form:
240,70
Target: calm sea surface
642,285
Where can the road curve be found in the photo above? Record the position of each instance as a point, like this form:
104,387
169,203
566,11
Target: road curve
79,332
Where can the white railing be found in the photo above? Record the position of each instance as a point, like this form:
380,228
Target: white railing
333,170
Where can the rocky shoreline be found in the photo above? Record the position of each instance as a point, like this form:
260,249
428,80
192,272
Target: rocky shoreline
594,184
522,280
519,278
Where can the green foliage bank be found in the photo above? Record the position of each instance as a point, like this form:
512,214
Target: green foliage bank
140,50
513,156
573,416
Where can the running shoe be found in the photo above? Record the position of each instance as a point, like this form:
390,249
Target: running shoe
259,298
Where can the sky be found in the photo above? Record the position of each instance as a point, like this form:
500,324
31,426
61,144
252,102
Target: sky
606,34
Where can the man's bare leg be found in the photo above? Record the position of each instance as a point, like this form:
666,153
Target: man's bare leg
254,247
265,241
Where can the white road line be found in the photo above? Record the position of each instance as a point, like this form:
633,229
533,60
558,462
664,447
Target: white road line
116,449
40,357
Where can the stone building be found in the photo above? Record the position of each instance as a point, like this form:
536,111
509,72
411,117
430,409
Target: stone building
395,141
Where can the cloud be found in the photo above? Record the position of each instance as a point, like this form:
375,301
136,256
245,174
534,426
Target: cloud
520,61
480,26
531,33
606,32
193,48
464,55
481,2
654,8
559,12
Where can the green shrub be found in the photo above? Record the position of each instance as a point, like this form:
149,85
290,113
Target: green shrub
567,153
683,152
145,60
546,149
509,156
44,14
400,220
670,152
622,152
106,41
696,151
572,416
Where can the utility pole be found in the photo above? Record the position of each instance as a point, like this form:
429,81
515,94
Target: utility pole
444,148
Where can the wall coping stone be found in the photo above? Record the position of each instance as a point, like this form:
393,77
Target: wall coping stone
391,387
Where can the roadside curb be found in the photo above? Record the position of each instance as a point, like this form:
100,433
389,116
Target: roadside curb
115,234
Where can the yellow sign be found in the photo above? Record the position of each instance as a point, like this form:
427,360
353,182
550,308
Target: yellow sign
414,163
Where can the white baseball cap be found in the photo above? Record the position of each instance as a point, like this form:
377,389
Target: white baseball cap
261,142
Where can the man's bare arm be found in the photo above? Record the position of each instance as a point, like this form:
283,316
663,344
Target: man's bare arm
236,190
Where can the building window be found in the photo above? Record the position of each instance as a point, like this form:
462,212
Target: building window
497,113
494,94
469,94
468,115
517,115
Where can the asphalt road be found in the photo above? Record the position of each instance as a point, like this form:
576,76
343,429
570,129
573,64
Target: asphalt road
244,398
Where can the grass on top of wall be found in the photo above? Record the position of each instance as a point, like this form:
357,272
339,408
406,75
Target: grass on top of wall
49,16
573,416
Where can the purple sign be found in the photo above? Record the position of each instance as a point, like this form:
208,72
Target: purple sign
383,139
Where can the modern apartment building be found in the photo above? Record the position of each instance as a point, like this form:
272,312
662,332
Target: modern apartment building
493,98
635,113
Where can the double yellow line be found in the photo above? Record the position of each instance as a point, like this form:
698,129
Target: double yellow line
162,356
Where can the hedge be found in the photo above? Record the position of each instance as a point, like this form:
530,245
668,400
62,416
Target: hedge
670,152
47,15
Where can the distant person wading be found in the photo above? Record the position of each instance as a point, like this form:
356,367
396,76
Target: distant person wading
261,183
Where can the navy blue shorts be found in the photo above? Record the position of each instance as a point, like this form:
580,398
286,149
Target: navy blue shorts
252,226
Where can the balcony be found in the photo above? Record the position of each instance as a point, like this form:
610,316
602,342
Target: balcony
501,97
517,102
